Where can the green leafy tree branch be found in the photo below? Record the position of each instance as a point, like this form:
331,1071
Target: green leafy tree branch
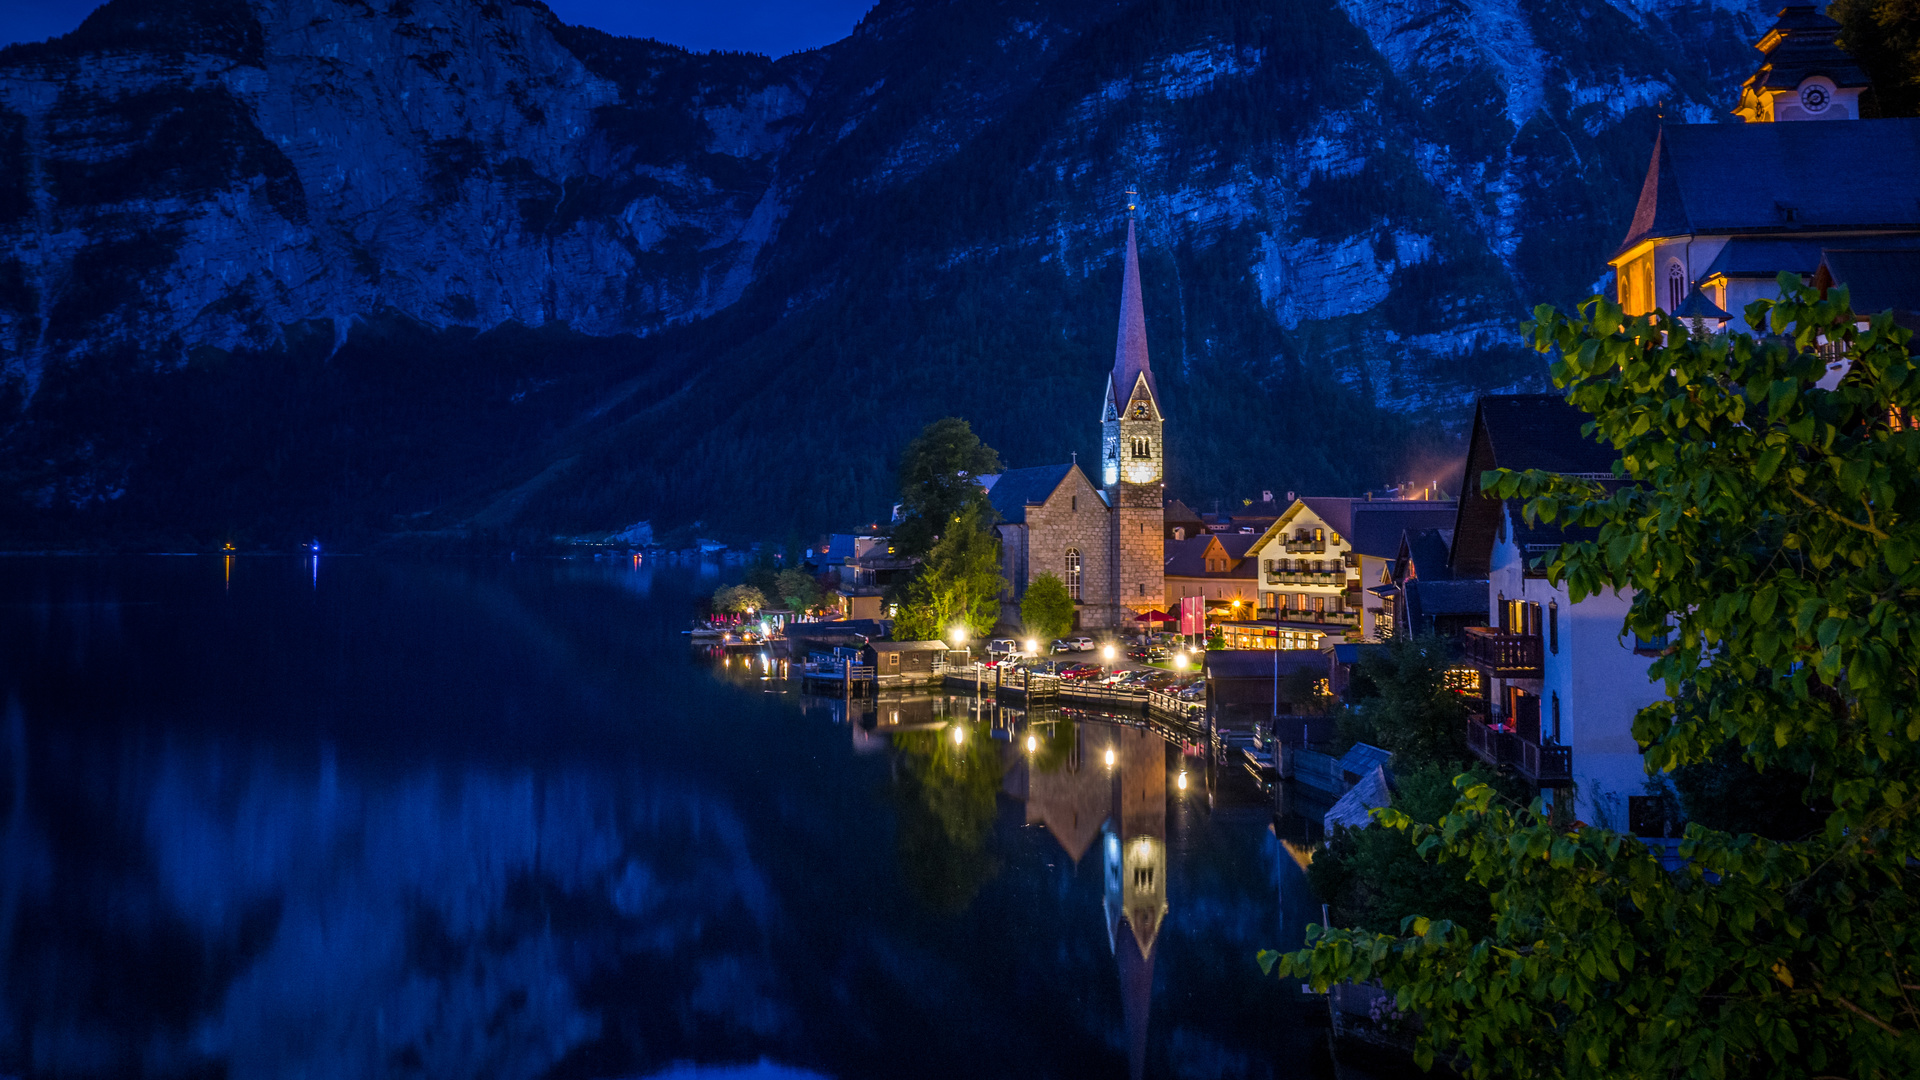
1769,528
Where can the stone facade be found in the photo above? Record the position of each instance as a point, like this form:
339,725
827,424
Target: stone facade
1074,519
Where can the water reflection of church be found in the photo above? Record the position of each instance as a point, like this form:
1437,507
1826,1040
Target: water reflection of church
1111,785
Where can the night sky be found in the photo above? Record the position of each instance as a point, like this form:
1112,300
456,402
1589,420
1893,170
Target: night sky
774,27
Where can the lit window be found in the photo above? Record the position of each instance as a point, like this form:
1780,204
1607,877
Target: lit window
1676,287
1073,574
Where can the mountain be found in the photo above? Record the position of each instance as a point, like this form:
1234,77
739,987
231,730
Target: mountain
271,268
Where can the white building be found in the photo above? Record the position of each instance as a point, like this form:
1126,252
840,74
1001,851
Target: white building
1563,681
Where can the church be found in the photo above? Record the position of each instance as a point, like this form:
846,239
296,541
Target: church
1106,543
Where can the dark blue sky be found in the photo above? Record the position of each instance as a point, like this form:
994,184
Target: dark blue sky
774,27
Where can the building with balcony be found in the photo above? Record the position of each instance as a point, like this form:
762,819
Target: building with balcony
1319,557
1560,683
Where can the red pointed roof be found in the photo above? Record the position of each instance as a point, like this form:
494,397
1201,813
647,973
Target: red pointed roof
1130,354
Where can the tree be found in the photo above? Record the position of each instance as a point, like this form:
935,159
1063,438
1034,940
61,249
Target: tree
940,474
1047,609
1411,711
959,585
798,590
738,599
1770,528
1374,877
1884,36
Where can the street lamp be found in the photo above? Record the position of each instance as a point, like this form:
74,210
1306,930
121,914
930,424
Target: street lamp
1181,781
1110,757
1108,653
1033,743
959,733
1180,660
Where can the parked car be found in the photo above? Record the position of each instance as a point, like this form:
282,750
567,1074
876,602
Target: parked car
1079,671
1060,645
1080,644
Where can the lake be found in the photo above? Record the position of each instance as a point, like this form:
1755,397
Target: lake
275,817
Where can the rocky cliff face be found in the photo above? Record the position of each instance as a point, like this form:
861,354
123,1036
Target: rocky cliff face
201,176
1346,207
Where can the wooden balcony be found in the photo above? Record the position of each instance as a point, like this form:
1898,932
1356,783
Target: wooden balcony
1298,547
1501,655
1547,766
1328,578
1491,745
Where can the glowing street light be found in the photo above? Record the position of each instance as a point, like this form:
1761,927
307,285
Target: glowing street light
1180,661
959,734
1110,757
1033,744
1033,648
1181,781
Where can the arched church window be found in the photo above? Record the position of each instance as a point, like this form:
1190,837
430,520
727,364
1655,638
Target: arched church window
1676,287
1073,574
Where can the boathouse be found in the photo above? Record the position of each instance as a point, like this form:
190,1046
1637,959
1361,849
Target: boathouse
903,663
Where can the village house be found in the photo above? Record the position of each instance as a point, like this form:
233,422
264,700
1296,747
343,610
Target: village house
1215,567
1561,682
1726,208
867,576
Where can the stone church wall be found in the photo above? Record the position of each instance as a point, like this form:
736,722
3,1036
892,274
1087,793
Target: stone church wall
1074,519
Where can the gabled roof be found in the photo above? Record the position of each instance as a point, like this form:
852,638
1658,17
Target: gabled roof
1875,279
1430,599
1426,552
1016,489
1188,558
1336,512
1522,431
1778,178
1378,525
1179,513
908,646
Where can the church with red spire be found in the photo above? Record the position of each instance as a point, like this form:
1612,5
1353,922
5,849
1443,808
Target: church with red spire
1105,541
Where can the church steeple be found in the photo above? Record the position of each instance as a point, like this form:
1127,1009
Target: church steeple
1130,352
1804,75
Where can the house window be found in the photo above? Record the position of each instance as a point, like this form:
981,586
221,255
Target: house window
1553,640
1073,574
1143,588
1319,536
1676,287
1073,503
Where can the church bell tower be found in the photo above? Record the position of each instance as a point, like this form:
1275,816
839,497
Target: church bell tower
1133,456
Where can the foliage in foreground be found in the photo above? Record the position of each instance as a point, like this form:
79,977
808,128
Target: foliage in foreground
1772,527
1376,878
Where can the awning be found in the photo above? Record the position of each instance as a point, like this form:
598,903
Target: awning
1153,615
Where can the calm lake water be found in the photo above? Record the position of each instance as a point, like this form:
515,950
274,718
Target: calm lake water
267,817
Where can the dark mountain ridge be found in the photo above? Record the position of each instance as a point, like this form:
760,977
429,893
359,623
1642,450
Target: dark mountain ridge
443,267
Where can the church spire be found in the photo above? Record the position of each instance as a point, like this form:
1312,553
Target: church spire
1130,354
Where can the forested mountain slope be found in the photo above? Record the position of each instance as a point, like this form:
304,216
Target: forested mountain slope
291,266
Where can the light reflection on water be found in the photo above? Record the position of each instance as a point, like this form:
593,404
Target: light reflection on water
493,820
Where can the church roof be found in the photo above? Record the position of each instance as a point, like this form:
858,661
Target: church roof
1779,178
1016,489
1802,43
1179,513
1130,352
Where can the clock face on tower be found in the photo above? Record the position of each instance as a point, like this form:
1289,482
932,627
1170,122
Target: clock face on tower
1140,410
1815,98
